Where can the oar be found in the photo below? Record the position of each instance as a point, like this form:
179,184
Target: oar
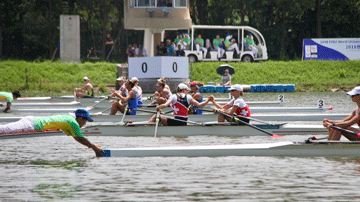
193,122
157,122
99,113
345,131
250,118
147,111
126,109
100,101
237,120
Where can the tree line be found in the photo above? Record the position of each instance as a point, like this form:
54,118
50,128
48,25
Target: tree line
29,30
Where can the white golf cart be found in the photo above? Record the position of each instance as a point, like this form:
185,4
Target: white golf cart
245,55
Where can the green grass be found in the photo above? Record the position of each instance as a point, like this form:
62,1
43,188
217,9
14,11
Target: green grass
315,76
54,78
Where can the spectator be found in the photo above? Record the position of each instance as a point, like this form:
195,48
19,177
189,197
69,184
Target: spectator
226,78
142,51
231,44
200,45
170,48
208,45
178,39
108,44
136,50
179,51
186,42
162,51
217,42
129,51
251,44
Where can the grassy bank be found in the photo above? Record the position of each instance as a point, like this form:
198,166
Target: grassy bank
318,76
53,78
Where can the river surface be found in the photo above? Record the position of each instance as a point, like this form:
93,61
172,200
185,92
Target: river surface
57,168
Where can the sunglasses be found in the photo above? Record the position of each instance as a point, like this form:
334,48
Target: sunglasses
192,85
232,90
157,85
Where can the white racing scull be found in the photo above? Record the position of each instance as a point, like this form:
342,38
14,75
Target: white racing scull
291,149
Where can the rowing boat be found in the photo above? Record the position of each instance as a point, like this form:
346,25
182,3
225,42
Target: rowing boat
253,110
206,117
27,99
46,104
208,128
291,149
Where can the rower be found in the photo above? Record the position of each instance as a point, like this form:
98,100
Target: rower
347,123
122,90
70,124
180,103
194,86
87,88
130,100
9,97
139,90
164,94
237,105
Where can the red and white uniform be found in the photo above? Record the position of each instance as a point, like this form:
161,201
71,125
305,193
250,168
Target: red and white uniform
180,104
243,108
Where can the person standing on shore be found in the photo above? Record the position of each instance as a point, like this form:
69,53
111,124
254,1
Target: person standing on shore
70,124
347,123
9,97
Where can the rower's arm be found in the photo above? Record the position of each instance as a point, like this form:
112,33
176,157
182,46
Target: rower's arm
127,98
203,104
166,104
86,142
347,123
233,110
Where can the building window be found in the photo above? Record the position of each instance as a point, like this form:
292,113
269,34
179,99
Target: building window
158,3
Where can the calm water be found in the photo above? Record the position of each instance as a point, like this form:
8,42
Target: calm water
57,168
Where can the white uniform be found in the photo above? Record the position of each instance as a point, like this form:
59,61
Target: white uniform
23,125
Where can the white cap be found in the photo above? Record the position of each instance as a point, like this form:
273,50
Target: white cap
236,87
182,86
120,79
354,91
134,79
86,78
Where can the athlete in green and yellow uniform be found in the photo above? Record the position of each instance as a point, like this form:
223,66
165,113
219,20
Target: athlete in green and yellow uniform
70,124
9,97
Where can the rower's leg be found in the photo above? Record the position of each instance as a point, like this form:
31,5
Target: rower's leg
221,118
161,100
334,135
152,119
115,107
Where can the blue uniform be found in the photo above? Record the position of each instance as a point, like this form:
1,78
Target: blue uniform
198,112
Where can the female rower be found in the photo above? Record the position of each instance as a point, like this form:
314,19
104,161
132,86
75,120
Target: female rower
121,81
139,90
347,123
130,100
180,103
87,88
194,86
236,105
164,94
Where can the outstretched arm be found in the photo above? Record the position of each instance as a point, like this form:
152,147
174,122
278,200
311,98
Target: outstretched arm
203,104
86,142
